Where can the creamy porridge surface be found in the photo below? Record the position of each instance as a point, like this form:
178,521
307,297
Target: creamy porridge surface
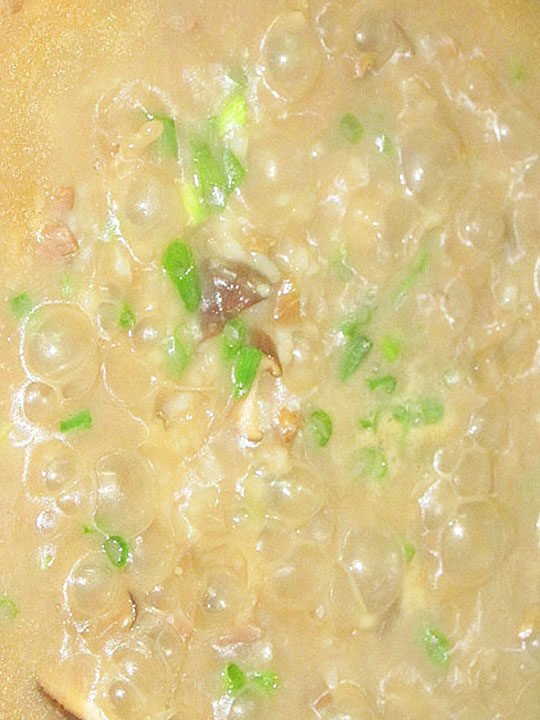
269,325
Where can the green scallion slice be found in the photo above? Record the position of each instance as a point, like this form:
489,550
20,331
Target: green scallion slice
117,550
80,421
235,679
321,427
351,128
244,369
179,264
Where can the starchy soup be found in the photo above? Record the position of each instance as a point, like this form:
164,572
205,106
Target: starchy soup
270,321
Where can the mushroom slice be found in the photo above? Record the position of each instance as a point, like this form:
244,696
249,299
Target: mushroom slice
228,289
266,345
70,703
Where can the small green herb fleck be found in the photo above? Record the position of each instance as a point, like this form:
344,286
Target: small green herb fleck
437,646
351,128
432,410
209,176
67,286
266,680
80,421
371,462
355,352
8,609
233,114
234,337
244,369
321,427
117,550
385,383
179,264
126,319
517,71
410,551
371,422
167,143
410,278
235,679
390,348
177,356
21,305
194,206
340,265
235,172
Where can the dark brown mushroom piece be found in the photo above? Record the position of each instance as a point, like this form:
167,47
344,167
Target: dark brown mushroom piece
263,342
228,288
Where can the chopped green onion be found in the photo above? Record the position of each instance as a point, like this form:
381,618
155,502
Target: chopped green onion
167,143
67,286
177,356
410,551
8,609
384,144
340,265
233,114
385,383
179,264
194,206
390,348
209,176
408,281
235,172
266,680
244,369
21,305
80,421
321,426
355,352
371,422
235,679
437,646
371,462
432,410
351,128
517,71
126,319
234,337
117,550
408,414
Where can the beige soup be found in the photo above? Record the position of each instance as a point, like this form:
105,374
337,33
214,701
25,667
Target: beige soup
270,403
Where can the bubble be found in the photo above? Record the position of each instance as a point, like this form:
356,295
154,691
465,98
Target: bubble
437,503
223,595
344,702
479,221
153,555
41,404
291,56
295,499
53,467
125,494
301,578
431,162
377,33
145,201
92,587
472,476
474,543
376,562
489,425
60,348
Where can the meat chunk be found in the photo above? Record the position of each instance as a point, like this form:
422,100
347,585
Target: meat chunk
62,199
263,342
229,288
57,241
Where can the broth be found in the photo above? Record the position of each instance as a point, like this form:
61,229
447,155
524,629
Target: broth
269,417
